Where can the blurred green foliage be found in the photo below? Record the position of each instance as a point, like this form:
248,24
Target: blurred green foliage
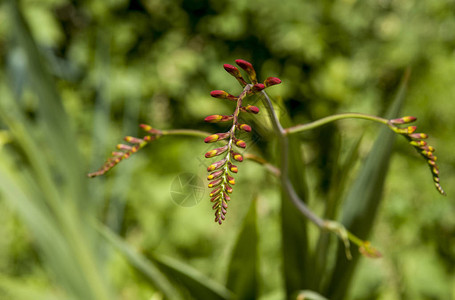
110,65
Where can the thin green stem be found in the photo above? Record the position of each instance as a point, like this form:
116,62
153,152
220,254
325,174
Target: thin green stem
332,118
285,182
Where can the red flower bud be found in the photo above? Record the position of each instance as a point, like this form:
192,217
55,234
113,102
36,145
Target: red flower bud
248,67
418,135
250,108
272,81
133,140
226,197
240,143
215,183
237,156
216,137
418,143
216,152
216,198
149,129
216,165
222,95
124,147
244,127
215,192
257,87
218,118
235,72
228,188
403,120
232,70
230,179
215,174
411,129
233,168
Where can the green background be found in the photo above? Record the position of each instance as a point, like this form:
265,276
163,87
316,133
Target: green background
115,64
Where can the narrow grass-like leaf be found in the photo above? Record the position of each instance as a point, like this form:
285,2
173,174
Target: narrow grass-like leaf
296,256
141,263
243,272
340,175
197,284
50,109
363,199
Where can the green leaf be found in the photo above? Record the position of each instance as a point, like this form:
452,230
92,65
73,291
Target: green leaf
197,284
141,263
242,276
296,256
363,199
162,270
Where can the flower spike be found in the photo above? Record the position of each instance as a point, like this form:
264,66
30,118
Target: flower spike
220,178
125,151
417,141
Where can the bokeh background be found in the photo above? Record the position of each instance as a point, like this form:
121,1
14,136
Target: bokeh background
118,63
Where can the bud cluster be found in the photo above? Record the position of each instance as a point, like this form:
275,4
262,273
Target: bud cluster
125,150
417,140
220,172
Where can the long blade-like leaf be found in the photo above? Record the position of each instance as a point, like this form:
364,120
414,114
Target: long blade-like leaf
363,198
141,263
242,276
198,285
296,256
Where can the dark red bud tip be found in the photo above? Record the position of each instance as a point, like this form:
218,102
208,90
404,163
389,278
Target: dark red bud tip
248,67
218,118
244,64
231,69
258,87
244,127
272,81
403,120
252,109
219,94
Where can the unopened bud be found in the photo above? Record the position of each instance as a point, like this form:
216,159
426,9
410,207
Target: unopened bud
215,174
124,147
215,183
411,129
240,143
228,188
216,152
226,197
230,179
250,108
149,129
403,120
216,198
418,143
216,137
237,156
244,127
248,67
236,73
418,135
218,118
272,81
133,140
233,168
216,165
222,95
215,192
257,87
